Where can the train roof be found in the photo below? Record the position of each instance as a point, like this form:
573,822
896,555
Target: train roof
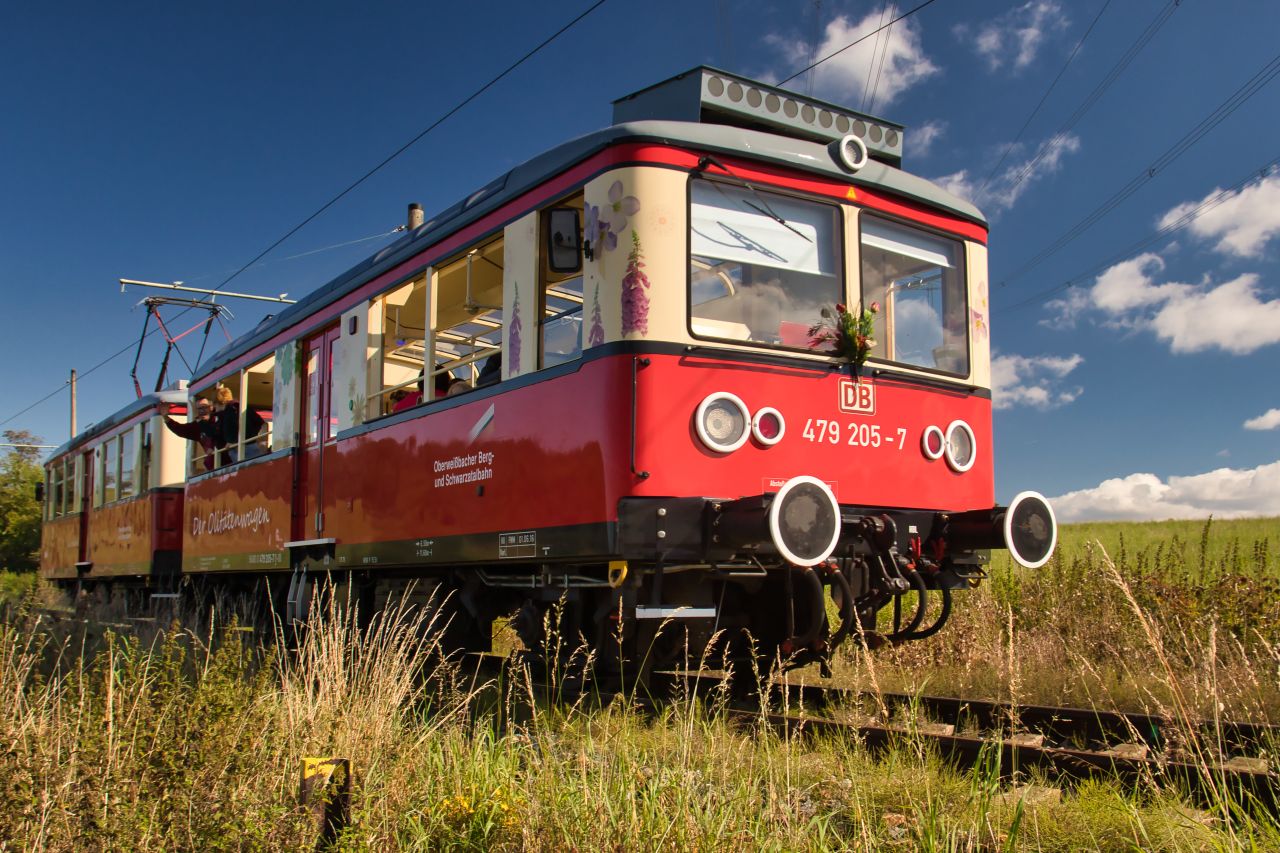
146,401
801,154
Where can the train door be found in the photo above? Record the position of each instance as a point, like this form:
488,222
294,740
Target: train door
318,432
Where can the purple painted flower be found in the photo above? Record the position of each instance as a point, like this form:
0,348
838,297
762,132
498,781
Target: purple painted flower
635,301
596,337
620,208
513,339
591,232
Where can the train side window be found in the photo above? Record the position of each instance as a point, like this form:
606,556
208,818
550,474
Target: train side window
257,398
97,476
918,279
110,469
127,455
144,456
196,450
466,335
57,485
403,314
560,329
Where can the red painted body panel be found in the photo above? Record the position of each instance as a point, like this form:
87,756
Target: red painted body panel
241,519
557,453
887,470
120,538
551,454
60,547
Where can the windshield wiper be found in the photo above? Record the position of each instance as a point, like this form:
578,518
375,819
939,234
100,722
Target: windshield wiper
763,207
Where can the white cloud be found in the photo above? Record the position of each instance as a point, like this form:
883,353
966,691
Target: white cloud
1269,419
921,139
1229,317
1234,316
1004,189
1016,36
1223,493
1034,381
889,63
1242,224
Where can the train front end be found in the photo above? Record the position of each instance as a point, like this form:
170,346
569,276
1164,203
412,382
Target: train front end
816,421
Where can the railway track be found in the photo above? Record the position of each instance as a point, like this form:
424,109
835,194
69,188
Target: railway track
1210,759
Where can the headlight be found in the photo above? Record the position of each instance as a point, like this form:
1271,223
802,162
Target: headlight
768,426
804,521
961,446
722,422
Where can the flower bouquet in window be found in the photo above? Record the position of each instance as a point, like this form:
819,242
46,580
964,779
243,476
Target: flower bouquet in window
846,334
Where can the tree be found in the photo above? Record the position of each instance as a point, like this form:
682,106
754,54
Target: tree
20,471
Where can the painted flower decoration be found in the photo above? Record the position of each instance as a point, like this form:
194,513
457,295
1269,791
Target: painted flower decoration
606,222
635,299
620,208
513,336
845,333
591,230
596,336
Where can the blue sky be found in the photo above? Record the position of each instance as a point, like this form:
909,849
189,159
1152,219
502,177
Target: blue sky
174,142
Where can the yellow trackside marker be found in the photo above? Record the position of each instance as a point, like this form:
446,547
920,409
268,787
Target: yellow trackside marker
850,194
326,791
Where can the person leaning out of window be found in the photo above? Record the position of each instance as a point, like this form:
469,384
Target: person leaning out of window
203,430
227,426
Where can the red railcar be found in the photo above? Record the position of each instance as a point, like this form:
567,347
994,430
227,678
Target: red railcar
603,380
113,501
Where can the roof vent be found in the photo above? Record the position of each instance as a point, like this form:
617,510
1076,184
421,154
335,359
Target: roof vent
707,95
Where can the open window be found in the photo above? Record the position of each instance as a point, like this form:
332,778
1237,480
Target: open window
466,337
404,332
560,332
918,278
257,397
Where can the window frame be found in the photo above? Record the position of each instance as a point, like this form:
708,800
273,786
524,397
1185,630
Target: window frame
962,270
841,261
575,200
127,439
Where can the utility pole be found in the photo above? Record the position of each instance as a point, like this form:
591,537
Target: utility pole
73,402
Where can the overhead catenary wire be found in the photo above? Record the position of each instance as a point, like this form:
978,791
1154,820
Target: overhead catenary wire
1221,196
1018,136
1237,98
370,173
884,51
1087,104
856,41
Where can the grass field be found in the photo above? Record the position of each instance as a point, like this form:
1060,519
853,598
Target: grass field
195,742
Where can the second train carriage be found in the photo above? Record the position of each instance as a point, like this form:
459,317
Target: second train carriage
113,501
594,380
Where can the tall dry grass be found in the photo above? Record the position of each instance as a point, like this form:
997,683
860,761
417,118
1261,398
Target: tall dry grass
193,740
1192,619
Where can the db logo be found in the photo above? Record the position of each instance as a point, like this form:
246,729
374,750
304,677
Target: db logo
857,397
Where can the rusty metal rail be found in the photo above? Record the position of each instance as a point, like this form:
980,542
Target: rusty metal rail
1210,759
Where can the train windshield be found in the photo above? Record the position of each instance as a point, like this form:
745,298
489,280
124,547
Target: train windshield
918,279
762,266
